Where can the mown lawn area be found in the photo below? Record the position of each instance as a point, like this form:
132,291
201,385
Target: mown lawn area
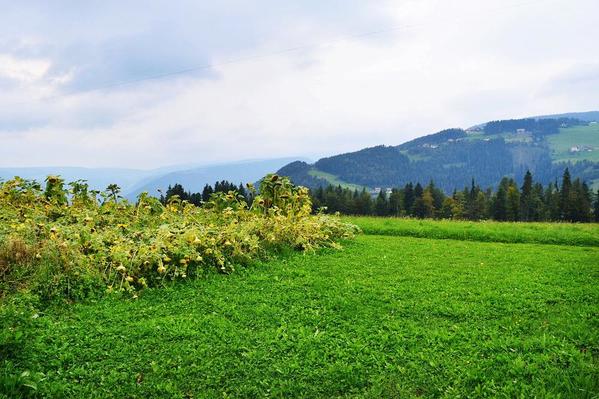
581,234
388,316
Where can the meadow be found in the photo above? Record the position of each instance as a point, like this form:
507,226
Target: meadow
587,136
581,234
334,180
390,315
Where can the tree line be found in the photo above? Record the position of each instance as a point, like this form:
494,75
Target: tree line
538,127
198,198
571,201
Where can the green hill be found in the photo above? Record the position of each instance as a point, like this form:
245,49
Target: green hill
453,157
576,144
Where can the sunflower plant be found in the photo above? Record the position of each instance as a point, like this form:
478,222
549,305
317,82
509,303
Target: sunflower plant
67,241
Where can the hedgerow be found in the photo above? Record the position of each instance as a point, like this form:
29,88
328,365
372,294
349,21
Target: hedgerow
72,243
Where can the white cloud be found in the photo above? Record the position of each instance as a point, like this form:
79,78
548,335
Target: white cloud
444,65
23,70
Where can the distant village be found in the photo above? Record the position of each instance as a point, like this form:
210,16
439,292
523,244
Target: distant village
519,135
584,148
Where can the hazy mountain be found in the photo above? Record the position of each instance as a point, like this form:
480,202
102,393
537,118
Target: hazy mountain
97,178
134,181
194,179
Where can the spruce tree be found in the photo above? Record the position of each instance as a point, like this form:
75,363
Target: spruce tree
419,208
499,206
579,206
196,199
459,203
207,192
478,209
395,200
381,207
513,202
408,198
526,198
437,195
536,206
552,202
177,190
418,191
564,203
364,205
318,199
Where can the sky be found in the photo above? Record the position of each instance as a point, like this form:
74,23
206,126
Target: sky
146,84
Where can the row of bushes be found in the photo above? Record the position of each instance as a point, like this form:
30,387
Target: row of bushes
74,243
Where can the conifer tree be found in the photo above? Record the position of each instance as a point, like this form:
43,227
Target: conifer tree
364,206
177,190
380,205
196,199
459,203
552,202
513,202
437,195
526,198
428,202
579,207
408,198
207,192
565,196
395,200
478,208
499,206
447,209
418,191
536,205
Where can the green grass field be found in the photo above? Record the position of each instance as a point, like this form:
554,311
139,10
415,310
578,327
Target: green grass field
414,157
487,231
333,180
388,316
560,144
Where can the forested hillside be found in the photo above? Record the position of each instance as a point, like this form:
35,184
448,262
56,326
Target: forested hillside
453,157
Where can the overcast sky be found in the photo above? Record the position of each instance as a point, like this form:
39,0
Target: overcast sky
277,78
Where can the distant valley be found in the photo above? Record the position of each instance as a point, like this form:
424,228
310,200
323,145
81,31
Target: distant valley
133,181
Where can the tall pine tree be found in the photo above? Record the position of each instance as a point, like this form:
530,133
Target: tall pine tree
381,207
565,196
526,198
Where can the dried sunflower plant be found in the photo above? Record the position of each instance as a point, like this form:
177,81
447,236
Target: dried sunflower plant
67,241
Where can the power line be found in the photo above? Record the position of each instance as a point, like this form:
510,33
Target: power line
254,57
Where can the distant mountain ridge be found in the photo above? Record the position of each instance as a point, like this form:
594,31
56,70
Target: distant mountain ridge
134,181
194,179
588,116
97,178
545,145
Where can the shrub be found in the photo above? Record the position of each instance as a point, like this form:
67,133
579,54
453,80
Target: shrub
76,243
